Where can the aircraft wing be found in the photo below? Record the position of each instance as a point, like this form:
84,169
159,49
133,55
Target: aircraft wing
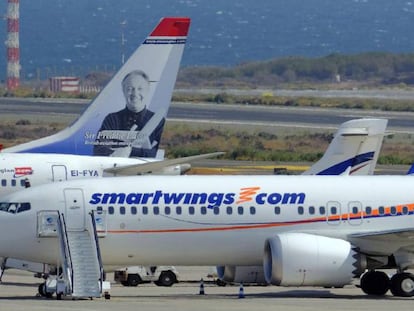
138,169
387,236
399,239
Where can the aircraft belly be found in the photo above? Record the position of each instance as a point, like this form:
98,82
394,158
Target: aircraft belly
183,249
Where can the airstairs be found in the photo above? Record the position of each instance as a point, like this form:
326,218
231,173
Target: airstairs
81,274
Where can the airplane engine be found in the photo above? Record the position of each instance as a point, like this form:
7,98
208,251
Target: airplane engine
300,259
241,274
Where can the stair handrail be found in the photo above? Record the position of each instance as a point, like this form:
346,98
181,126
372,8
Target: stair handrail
98,249
67,265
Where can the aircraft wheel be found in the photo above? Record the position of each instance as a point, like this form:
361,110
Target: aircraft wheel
402,285
375,283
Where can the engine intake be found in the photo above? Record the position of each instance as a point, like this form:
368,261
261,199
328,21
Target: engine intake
300,259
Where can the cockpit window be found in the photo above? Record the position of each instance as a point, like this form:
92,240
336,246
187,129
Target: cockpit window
14,208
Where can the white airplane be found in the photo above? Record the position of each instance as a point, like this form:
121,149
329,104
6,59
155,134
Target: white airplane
69,154
304,230
353,151
354,140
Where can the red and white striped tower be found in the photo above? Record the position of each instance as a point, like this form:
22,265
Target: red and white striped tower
12,43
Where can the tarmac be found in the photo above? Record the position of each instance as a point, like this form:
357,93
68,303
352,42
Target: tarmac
18,292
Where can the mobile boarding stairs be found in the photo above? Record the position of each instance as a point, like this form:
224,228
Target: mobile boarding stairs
80,272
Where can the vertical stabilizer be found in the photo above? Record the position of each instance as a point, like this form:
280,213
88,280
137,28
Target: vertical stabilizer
128,115
354,149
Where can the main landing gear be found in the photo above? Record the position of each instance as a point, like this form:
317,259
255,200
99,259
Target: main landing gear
378,283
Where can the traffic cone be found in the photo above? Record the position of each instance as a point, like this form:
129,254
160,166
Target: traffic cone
241,291
201,287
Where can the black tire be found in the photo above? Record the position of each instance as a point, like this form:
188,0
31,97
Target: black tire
402,285
125,283
167,278
134,280
220,282
41,290
375,283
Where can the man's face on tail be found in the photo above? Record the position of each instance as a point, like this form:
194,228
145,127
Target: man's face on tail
135,88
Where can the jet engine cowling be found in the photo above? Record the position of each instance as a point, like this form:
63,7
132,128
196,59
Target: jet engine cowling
300,259
241,274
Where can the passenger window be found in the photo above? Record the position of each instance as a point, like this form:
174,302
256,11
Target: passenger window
203,210
229,210
145,210
333,210
393,210
322,210
111,210
156,210
178,210
99,209
122,210
216,210
355,210
4,182
381,210
22,183
191,210
311,210
252,210
277,210
300,210
405,210
368,210
133,210
240,210
13,182
167,210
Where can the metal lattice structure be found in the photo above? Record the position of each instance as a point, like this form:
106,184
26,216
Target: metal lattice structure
12,44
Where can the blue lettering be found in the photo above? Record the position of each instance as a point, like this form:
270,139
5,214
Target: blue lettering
157,197
187,198
212,199
173,198
215,199
133,198
113,198
199,198
146,197
229,198
96,198
291,198
274,198
260,198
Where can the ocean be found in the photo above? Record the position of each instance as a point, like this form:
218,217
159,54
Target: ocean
74,37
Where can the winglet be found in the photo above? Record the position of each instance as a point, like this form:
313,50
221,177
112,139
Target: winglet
172,27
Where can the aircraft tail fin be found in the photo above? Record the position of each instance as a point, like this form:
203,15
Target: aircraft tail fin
354,149
157,61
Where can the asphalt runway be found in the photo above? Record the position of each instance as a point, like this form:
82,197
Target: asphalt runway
234,114
18,293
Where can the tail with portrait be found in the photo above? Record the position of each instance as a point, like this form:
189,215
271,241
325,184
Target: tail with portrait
159,57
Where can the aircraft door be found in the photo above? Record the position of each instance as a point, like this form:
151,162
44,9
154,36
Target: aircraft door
59,173
333,213
75,209
355,214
